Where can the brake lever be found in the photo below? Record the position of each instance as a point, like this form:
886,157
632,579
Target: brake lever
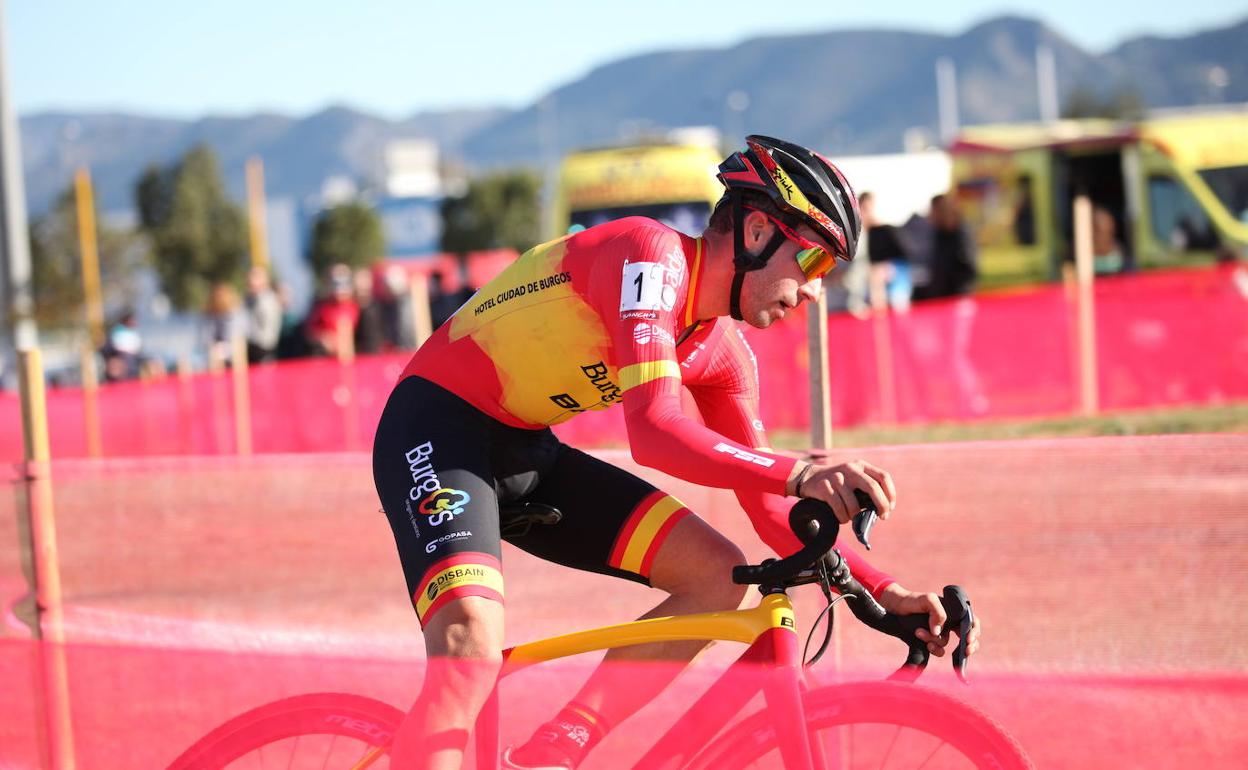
865,519
954,595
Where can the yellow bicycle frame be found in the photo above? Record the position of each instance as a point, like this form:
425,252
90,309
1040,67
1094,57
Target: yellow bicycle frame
768,628
775,611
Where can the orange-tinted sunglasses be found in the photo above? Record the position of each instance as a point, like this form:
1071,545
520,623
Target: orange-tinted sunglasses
815,260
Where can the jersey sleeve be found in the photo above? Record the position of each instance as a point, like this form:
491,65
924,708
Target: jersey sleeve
642,314
728,402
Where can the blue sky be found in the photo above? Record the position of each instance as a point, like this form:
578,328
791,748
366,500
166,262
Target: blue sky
390,57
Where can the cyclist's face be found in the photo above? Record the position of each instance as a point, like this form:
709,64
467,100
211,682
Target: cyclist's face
771,293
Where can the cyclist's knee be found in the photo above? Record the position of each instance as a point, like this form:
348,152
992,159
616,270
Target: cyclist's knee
468,628
696,560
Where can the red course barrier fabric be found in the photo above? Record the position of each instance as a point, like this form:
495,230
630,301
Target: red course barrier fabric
1162,338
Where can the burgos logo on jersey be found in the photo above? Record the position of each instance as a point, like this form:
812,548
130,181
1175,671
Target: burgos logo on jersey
439,503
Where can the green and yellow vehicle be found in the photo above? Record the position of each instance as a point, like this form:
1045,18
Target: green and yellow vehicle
673,182
1169,190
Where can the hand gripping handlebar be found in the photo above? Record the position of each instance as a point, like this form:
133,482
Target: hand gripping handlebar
816,526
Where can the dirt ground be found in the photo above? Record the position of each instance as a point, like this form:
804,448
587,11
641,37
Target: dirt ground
1108,573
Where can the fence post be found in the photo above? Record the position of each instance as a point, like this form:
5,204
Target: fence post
91,402
41,552
242,395
820,387
422,319
89,254
881,326
346,396
1086,300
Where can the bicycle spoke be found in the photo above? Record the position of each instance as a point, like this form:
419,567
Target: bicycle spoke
325,764
891,744
929,756
293,751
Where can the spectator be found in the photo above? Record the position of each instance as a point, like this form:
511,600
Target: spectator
395,301
122,350
370,331
954,257
954,269
223,322
264,316
889,255
1107,251
335,308
851,289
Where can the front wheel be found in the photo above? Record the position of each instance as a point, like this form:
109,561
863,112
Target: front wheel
874,725
322,730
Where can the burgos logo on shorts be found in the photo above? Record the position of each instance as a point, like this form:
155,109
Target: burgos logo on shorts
439,503
444,505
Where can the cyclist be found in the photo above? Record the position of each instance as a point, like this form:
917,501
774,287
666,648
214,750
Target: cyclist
626,312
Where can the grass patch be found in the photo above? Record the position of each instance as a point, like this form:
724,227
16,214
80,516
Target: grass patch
1226,418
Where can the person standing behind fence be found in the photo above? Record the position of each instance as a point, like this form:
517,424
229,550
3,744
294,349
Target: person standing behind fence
336,307
222,322
264,316
954,264
954,269
123,349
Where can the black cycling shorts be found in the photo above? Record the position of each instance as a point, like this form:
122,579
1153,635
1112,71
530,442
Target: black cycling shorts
442,467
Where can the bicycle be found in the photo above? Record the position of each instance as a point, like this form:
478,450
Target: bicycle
801,728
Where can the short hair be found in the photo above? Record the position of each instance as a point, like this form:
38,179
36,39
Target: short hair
721,216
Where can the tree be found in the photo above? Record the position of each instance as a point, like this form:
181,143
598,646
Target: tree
198,236
349,233
56,265
498,211
1123,103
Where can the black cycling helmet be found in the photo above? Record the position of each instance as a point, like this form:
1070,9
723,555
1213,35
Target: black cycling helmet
807,189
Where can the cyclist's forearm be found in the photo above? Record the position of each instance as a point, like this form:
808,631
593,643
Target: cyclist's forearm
662,437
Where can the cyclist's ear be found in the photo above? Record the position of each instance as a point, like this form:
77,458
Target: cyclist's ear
757,230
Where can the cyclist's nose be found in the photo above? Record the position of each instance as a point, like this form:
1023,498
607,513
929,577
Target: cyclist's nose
809,291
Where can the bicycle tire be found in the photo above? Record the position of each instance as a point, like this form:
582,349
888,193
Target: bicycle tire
368,721
982,742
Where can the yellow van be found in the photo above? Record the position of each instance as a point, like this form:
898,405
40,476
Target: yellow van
1168,190
672,182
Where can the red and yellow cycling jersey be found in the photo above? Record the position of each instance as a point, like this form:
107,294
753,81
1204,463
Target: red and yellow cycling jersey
606,316
591,320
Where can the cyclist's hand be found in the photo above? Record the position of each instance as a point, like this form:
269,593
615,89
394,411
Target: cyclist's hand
835,485
900,601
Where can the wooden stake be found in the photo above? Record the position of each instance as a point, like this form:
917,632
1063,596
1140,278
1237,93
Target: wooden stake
41,552
91,402
256,213
885,372
242,396
1088,396
422,318
820,385
89,253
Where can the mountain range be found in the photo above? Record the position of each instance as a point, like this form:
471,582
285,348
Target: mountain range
845,91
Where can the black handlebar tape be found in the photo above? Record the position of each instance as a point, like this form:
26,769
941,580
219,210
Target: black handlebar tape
814,524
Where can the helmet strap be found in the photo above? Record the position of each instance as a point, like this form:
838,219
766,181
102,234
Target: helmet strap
743,261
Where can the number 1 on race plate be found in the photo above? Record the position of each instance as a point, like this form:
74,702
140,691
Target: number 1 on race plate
644,288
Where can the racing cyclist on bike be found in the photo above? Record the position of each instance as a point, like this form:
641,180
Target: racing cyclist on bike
625,312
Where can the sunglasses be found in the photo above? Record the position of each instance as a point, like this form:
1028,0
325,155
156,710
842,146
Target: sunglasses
814,260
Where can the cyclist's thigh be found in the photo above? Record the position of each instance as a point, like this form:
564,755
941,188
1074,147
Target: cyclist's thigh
432,470
613,522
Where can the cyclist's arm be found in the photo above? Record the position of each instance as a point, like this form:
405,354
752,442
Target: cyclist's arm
662,436
640,307
729,405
